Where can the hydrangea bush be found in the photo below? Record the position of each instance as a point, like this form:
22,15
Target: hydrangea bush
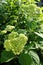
21,32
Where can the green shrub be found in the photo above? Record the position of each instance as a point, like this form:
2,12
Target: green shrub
21,32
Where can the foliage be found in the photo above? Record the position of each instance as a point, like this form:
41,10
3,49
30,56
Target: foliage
21,32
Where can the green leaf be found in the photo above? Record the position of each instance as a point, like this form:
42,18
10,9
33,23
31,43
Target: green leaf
38,0
41,63
39,34
25,59
22,31
35,57
6,56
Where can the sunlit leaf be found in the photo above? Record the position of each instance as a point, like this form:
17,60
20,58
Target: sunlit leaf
39,34
35,57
